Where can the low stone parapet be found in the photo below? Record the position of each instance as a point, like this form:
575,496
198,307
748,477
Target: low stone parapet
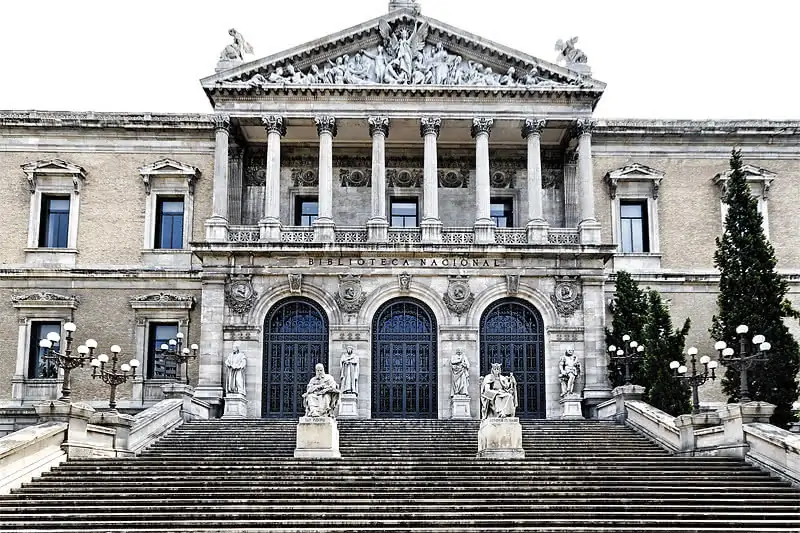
28,452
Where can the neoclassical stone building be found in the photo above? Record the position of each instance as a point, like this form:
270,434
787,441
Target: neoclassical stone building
402,187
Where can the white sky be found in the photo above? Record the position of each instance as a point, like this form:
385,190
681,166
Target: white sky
693,59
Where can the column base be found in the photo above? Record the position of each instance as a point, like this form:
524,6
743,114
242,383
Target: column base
500,438
484,231
571,407
269,230
348,405
216,229
324,230
235,406
377,230
317,437
537,231
431,230
589,232
459,407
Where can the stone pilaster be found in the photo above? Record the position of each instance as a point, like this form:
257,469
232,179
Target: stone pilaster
431,225
270,224
217,225
537,226
378,224
597,387
484,225
589,228
324,225
209,379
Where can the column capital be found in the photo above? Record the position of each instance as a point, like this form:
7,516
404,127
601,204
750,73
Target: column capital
221,121
481,125
533,126
430,126
378,124
325,124
585,126
274,124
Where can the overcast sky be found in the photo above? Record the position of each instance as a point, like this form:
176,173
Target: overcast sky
693,59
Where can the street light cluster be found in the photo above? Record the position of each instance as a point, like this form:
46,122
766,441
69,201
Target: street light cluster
628,353
694,378
174,349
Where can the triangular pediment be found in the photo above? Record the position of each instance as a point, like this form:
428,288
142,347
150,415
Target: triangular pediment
635,172
752,174
169,166
400,51
53,166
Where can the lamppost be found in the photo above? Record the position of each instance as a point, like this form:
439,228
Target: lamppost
113,377
745,359
66,359
174,348
630,352
694,379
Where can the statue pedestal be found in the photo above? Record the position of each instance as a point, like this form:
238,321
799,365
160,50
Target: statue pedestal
317,437
348,405
459,407
500,438
571,407
235,405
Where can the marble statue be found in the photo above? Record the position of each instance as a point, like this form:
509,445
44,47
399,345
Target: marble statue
498,394
569,368
236,50
569,54
234,371
322,394
350,370
459,366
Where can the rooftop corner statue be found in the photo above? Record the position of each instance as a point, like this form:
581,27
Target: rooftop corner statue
236,50
498,394
322,394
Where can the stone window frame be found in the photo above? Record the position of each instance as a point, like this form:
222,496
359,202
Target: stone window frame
404,194
760,180
156,308
60,178
37,307
295,192
515,196
168,178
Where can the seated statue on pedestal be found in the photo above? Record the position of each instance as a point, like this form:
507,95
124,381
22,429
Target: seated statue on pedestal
322,394
498,394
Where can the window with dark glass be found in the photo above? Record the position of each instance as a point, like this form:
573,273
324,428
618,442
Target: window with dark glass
306,211
169,223
158,366
501,211
54,224
38,367
633,230
404,212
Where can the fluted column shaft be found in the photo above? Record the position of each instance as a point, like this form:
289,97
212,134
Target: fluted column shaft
272,193
429,130
481,128
532,132
585,173
219,203
379,131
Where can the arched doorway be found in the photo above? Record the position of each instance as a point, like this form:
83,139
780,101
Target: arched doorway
295,339
512,334
404,380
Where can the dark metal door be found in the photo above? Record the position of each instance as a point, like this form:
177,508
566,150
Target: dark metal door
512,334
404,378
295,339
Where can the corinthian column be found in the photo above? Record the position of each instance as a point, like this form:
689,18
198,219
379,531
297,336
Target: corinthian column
378,225
217,225
537,226
484,225
324,226
589,228
270,224
431,224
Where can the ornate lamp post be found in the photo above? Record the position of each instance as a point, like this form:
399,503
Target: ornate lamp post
630,352
66,359
694,379
174,349
745,359
113,377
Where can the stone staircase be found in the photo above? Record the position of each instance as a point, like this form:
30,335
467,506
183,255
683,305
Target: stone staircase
402,475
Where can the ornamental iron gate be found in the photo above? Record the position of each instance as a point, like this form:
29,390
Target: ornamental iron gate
404,380
512,334
295,339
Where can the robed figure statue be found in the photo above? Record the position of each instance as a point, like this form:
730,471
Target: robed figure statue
498,394
322,394
349,370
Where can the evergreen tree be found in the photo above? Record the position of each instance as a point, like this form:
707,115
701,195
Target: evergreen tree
751,292
630,317
663,345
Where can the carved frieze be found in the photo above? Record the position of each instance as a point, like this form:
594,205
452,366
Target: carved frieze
43,297
240,295
459,296
453,178
305,177
355,177
404,177
552,177
350,296
566,296
163,297
503,179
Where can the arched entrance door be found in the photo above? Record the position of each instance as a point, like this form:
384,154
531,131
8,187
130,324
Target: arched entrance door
404,361
512,334
295,339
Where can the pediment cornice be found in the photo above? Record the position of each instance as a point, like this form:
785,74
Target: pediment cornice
752,174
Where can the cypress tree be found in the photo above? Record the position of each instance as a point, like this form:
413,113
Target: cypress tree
751,292
630,317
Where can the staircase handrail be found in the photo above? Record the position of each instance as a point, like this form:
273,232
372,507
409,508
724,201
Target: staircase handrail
155,422
30,451
774,449
653,423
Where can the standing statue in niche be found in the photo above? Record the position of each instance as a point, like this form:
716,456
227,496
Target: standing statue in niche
350,370
498,394
569,368
234,371
322,394
236,50
459,366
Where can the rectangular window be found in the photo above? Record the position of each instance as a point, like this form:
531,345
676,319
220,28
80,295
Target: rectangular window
54,223
404,212
158,366
306,211
169,223
634,230
38,367
501,211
